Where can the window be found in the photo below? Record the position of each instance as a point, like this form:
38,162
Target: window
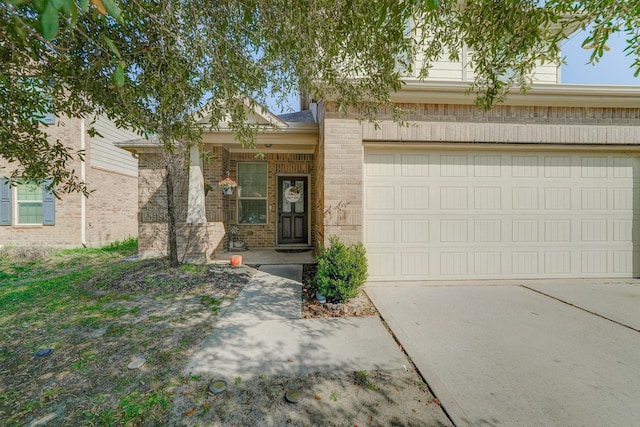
252,193
28,203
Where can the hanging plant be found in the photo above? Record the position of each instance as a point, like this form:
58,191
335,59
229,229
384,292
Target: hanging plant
207,188
227,185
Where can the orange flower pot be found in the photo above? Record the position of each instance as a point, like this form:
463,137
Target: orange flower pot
236,260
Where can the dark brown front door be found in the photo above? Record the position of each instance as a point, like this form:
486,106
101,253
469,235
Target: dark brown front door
293,194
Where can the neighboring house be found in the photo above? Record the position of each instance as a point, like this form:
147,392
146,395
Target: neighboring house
30,215
545,185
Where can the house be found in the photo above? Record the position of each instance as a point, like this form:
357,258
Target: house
31,215
544,185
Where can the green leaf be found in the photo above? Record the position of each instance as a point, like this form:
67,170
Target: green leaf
39,5
118,75
112,47
57,3
432,4
49,22
17,25
84,5
113,9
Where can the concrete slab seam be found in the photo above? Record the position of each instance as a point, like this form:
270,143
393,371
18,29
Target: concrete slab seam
580,308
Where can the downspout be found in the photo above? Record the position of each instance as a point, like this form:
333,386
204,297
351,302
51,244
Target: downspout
83,198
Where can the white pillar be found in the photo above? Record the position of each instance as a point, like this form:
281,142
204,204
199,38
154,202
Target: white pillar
195,208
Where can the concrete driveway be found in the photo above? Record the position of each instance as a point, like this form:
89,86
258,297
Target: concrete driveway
543,354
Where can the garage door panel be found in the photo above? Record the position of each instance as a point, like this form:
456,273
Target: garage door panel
414,165
487,230
524,198
414,231
380,231
414,264
452,166
594,167
380,198
622,230
557,198
487,166
525,263
454,231
454,264
414,198
452,215
487,198
381,264
487,263
524,167
454,198
594,262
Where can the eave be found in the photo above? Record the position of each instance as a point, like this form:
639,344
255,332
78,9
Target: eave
552,95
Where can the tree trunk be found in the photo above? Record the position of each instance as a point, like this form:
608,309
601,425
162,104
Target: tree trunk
171,213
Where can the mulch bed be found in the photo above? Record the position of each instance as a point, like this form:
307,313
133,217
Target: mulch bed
311,308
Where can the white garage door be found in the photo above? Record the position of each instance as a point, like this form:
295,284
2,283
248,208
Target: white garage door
464,215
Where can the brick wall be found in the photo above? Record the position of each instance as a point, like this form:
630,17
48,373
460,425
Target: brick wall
66,231
451,123
112,209
152,204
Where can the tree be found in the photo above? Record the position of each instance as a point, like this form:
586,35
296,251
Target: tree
155,64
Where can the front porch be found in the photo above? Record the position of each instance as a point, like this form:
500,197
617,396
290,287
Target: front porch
267,256
275,205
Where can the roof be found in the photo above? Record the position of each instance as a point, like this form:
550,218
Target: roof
305,116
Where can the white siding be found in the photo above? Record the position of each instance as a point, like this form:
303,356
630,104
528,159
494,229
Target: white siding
105,155
447,70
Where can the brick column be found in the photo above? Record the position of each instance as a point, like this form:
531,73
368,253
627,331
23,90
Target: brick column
343,193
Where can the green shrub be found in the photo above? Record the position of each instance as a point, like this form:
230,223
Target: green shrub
341,270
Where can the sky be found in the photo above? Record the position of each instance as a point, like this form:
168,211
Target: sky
613,69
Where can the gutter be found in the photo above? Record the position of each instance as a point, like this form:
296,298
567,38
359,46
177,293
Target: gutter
83,198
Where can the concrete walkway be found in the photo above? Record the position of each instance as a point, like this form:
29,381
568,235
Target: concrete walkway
263,333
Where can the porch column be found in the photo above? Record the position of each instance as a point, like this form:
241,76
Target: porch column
196,213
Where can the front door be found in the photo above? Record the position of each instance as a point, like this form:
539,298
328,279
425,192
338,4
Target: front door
293,219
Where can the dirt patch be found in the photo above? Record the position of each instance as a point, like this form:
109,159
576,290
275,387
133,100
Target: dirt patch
389,398
155,276
311,308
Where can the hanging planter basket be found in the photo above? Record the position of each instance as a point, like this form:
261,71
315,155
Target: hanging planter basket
227,185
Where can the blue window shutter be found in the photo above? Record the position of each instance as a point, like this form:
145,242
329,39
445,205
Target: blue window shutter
5,202
48,205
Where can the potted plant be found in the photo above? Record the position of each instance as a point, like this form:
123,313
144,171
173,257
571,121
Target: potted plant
234,243
227,185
